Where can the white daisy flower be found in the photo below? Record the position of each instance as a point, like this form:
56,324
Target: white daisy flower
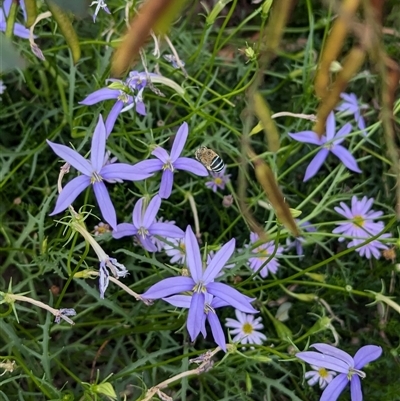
321,375
177,251
244,328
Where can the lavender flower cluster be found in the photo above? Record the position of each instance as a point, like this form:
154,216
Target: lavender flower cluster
200,292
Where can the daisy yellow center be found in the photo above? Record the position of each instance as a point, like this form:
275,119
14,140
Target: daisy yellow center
182,246
103,229
359,221
247,328
96,177
218,180
323,373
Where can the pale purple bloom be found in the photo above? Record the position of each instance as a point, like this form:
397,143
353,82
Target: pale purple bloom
373,248
263,253
126,94
361,218
347,367
169,163
95,173
245,328
200,284
176,251
100,4
218,180
350,106
329,143
19,29
101,228
299,241
321,376
144,226
211,303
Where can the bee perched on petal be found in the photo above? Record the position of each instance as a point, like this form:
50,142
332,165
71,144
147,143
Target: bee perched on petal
211,160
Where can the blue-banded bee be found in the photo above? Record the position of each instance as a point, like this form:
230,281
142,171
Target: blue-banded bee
209,159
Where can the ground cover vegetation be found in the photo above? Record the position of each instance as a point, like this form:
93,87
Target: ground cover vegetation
199,201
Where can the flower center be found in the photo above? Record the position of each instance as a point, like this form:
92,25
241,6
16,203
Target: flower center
96,177
353,371
247,328
359,221
124,97
199,287
218,180
168,166
323,373
208,308
143,232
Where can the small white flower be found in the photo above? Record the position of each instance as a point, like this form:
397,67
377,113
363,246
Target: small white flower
2,87
244,328
321,375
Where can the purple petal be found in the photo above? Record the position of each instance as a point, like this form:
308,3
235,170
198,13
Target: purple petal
140,108
342,133
218,261
191,165
218,303
150,165
196,311
100,95
315,164
216,329
307,137
137,214
169,286
70,192
21,31
23,8
366,354
330,126
167,180
123,171
166,230
335,352
7,6
193,258
231,296
151,211
346,158
124,230
72,157
147,243
355,389
179,142
324,361
335,388
98,148
180,301
105,204
161,154
103,280
112,116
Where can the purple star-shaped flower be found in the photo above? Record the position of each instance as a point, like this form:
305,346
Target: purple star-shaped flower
144,225
201,283
349,368
211,303
329,143
127,95
19,29
169,163
350,106
218,180
94,172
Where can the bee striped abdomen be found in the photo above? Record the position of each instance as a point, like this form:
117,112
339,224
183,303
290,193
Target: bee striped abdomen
209,159
217,164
